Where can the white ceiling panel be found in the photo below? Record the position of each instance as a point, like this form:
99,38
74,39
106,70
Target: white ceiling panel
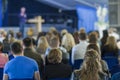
71,4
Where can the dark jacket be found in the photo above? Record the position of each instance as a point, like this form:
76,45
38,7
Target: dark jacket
37,57
57,71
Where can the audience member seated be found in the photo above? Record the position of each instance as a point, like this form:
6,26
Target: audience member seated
55,44
3,60
30,52
11,37
93,38
114,32
68,42
63,32
6,44
3,56
104,65
56,69
42,46
20,67
104,38
3,35
76,37
78,51
110,48
40,34
91,68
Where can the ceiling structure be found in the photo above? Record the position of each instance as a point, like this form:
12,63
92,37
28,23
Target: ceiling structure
71,4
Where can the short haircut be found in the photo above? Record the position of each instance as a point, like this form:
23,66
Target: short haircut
55,56
27,41
16,48
83,36
54,41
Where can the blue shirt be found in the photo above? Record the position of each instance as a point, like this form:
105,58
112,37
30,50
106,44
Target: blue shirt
21,67
22,19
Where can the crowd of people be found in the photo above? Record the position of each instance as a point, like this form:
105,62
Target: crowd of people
52,54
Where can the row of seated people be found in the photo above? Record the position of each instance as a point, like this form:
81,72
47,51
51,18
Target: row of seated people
70,51
55,68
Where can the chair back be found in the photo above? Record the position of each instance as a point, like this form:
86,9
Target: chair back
115,69
111,61
77,63
1,73
116,76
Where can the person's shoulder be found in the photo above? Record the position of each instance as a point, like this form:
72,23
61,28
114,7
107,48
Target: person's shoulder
77,45
10,62
37,54
30,60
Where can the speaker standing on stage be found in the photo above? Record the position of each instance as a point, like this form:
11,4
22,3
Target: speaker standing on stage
22,20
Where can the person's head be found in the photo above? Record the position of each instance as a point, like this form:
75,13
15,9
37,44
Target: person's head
63,32
11,33
83,36
54,56
3,33
76,37
97,34
91,66
48,36
54,42
23,9
52,29
68,41
93,37
16,48
111,41
42,44
1,46
18,35
105,33
28,42
82,30
94,47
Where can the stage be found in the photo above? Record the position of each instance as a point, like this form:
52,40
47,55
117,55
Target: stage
45,28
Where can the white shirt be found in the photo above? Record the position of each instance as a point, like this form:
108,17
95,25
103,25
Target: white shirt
78,51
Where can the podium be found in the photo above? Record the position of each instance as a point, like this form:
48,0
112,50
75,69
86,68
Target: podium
38,21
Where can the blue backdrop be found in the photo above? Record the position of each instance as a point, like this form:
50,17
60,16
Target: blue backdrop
86,17
0,13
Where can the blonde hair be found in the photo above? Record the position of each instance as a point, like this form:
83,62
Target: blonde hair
42,45
55,56
63,32
111,42
68,41
91,66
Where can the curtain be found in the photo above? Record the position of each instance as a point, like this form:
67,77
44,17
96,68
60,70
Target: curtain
86,18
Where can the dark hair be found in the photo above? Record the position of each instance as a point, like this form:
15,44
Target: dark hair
16,47
83,36
33,41
19,35
27,42
1,44
92,37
